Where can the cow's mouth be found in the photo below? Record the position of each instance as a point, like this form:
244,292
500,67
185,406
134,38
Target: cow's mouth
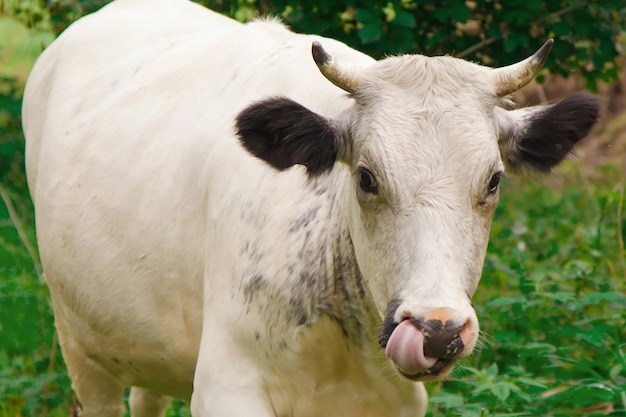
441,366
405,348
418,351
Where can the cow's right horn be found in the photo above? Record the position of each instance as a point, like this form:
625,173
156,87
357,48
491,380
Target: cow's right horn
511,78
343,77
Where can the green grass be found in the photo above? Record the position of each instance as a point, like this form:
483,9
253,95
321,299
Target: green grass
552,306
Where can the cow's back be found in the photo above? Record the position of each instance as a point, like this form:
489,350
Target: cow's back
131,152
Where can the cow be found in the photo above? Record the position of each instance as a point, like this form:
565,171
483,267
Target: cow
263,222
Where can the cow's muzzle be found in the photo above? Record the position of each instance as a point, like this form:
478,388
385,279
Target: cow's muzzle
424,348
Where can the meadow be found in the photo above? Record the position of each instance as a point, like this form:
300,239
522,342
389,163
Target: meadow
552,307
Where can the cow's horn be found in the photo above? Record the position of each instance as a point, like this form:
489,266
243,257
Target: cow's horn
343,77
513,77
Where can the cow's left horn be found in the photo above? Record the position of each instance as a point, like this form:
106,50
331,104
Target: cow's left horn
511,78
343,77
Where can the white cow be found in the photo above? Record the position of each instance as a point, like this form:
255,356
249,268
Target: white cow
220,218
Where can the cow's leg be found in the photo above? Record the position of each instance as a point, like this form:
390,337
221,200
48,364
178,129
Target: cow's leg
98,394
234,400
146,403
226,383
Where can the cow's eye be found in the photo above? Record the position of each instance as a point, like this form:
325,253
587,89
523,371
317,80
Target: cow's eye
494,182
367,182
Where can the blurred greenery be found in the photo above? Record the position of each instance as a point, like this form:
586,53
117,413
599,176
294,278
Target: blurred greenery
552,300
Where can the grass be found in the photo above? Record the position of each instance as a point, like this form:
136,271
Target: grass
552,306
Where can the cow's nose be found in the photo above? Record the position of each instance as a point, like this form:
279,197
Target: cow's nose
427,345
443,335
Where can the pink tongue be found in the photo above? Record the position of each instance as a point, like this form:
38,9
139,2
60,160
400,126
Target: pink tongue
406,349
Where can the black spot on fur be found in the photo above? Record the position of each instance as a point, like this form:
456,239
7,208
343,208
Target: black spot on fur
552,133
254,285
284,133
303,220
389,324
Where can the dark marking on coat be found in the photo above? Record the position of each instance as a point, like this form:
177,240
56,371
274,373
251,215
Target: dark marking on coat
252,252
256,284
319,277
350,313
303,220
389,323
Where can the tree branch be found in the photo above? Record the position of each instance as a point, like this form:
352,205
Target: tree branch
476,47
489,41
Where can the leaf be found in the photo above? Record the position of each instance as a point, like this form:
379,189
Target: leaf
19,47
447,399
505,301
615,371
532,382
365,16
560,29
502,390
492,370
370,32
598,297
455,12
561,297
405,19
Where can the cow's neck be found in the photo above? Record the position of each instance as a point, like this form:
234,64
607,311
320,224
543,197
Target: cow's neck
330,342
308,280
344,296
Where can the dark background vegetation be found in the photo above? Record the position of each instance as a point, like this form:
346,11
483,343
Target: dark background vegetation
552,302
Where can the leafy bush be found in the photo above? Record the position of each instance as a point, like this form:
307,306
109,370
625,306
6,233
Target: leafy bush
589,34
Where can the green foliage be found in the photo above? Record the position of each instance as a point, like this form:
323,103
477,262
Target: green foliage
589,35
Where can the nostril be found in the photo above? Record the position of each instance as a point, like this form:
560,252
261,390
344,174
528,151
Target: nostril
455,347
441,348
442,340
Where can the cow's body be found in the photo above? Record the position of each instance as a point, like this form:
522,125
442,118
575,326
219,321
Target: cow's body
173,255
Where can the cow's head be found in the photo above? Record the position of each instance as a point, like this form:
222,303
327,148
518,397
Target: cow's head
426,142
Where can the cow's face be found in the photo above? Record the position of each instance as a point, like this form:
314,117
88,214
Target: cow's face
426,145
426,169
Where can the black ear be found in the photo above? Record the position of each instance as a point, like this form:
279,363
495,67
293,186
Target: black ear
284,133
548,134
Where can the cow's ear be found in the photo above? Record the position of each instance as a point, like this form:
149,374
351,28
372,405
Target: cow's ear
538,138
284,133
